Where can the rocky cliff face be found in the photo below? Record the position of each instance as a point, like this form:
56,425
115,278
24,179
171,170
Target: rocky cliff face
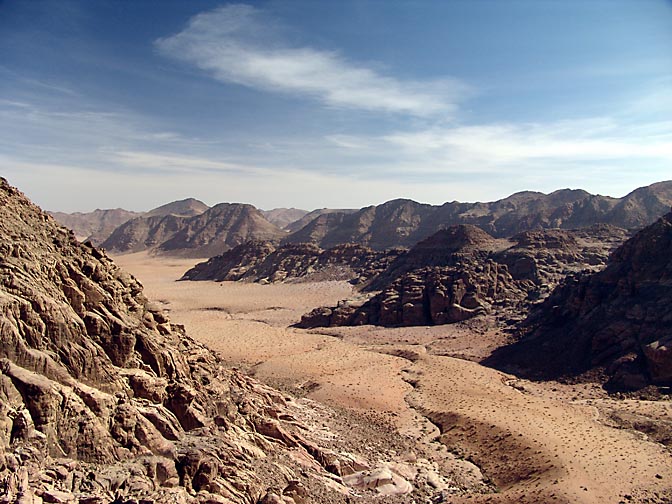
264,262
103,399
616,320
427,296
462,272
444,279
546,257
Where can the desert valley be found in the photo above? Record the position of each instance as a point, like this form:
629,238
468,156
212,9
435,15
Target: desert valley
513,351
335,252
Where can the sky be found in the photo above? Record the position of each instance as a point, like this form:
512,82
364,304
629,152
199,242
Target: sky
321,103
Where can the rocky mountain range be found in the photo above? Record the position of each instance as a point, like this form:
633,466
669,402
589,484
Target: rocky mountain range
616,321
311,216
204,235
98,225
396,223
103,399
405,222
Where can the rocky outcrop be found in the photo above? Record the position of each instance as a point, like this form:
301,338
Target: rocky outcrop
447,247
405,222
462,272
616,321
103,399
264,262
204,235
428,296
546,257
233,264
444,279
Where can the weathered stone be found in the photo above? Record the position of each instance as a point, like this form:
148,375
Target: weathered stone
103,398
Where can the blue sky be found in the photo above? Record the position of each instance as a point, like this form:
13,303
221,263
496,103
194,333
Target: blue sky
331,104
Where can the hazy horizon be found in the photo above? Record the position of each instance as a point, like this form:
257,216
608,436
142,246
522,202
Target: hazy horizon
305,104
211,204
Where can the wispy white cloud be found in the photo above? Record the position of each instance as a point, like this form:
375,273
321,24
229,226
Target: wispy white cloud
508,147
238,44
166,162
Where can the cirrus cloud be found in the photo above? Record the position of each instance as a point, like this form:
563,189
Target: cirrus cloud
238,44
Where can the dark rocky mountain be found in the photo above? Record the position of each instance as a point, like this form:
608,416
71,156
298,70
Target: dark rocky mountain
616,321
392,224
95,226
316,229
204,235
461,272
233,264
283,217
546,257
264,262
220,228
182,208
405,222
143,233
103,399
446,278
427,296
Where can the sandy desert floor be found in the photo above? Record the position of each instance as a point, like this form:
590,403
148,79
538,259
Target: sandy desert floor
537,442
